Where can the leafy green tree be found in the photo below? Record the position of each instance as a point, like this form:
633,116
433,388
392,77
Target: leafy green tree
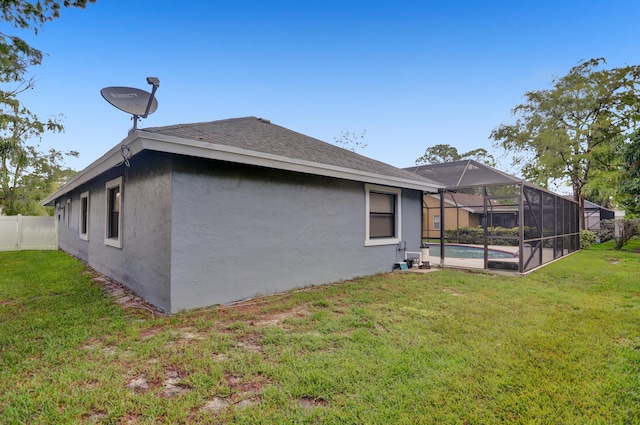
24,170
572,133
28,175
32,176
442,153
629,190
16,55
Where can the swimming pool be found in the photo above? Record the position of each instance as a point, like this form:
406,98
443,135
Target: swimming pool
467,251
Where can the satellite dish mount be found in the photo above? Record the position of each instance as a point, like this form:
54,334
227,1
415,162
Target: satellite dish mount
136,102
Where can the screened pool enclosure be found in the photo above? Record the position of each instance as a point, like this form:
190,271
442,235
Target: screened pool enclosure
484,218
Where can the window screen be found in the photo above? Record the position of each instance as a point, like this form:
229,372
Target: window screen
114,212
382,215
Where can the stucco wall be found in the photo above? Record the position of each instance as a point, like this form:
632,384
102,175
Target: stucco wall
453,217
240,231
143,262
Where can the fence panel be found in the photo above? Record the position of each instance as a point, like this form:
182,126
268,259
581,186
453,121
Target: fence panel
28,233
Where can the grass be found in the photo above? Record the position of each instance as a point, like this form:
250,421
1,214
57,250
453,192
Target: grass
560,346
632,246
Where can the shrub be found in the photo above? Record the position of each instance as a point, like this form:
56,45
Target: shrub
587,237
621,230
475,235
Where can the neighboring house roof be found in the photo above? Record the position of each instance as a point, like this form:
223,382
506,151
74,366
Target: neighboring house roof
253,141
475,203
588,205
466,173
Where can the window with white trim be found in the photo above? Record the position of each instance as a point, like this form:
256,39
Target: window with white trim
83,224
383,213
436,222
68,211
113,213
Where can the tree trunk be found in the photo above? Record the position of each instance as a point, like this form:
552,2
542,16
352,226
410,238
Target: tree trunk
579,198
583,221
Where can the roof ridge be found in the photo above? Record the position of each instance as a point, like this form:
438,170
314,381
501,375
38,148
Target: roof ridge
184,125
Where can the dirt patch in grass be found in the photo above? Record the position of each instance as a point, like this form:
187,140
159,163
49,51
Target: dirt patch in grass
220,357
138,384
278,319
189,334
309,403
243,394
150,333
216,404
251,343
452,292
96,417
98,345
240,387
170,385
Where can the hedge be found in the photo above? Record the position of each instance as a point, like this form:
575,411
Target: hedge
475,235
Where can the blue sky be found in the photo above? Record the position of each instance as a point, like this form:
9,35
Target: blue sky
412,74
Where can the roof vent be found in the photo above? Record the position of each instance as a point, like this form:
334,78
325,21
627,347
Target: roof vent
264,120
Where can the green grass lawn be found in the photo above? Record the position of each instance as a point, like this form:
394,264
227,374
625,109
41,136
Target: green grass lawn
560,346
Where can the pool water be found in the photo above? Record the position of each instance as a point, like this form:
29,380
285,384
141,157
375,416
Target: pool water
465,251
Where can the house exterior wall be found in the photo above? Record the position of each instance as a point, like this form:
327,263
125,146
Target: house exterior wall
240,231
592,219
453,217
143,262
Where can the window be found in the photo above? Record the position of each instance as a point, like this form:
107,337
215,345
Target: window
436,222
83,225
382,215
113,221
68,211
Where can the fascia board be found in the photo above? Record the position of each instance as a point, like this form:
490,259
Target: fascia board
178,145
140,140
107,161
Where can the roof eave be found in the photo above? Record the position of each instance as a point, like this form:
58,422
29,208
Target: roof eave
107,161
197,148
143,140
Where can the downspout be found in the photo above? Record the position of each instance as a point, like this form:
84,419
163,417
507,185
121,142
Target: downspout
486,227
521,229
441,191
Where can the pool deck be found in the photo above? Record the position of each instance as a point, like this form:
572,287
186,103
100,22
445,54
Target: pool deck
478,263
468,263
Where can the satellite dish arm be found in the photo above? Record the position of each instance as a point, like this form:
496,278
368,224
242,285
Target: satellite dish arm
156,83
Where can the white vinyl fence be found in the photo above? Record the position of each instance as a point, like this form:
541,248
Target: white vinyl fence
23,233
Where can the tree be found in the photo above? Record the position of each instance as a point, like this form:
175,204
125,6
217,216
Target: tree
31,176
629,189
573,132
441,153
24,170
28,175
16,55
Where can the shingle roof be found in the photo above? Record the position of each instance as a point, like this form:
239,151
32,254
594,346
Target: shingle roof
260,135
251,141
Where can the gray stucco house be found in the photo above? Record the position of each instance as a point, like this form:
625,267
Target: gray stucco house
215,212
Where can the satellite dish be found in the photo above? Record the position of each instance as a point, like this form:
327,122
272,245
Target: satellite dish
136,102
130,100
